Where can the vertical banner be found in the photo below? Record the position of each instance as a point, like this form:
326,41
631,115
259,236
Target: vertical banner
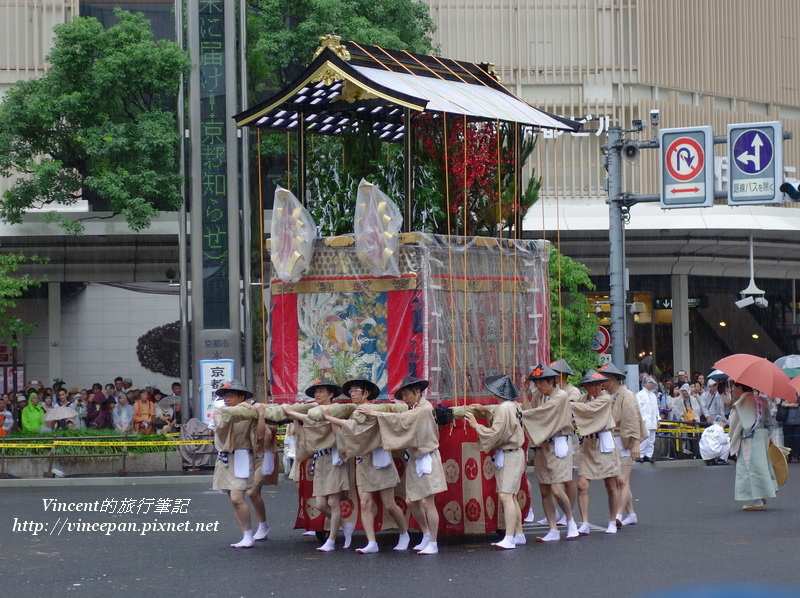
213,164
214,191
213,374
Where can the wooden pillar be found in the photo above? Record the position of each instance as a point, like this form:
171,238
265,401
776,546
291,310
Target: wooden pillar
517,179
408,171
301,157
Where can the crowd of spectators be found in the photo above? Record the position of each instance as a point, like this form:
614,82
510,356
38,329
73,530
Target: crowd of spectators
117,406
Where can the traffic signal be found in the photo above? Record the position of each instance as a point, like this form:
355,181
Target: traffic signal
790,190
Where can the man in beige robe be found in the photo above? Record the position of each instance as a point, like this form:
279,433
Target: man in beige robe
505,437
330,469
375,469
561,367
239,431
416,431
548,423
599,453
629,430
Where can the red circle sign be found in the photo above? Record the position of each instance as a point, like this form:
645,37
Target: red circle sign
601,341
684,159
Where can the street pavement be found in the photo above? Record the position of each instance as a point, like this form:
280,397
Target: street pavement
691,534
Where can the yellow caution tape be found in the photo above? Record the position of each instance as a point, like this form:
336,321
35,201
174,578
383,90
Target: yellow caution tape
131,443
14,445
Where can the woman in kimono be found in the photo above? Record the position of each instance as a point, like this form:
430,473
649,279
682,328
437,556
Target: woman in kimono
375,470
548,422
505,437
751,425
330,470
416,431
237,440
599,453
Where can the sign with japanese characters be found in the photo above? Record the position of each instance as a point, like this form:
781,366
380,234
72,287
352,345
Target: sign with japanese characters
755,158
214,165
213,374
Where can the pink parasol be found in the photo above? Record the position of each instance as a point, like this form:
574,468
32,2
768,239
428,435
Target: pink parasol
758,372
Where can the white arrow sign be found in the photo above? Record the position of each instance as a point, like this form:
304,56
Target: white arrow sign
755,157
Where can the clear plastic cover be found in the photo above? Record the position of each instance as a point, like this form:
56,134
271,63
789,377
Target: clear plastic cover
377,225
293,232
461,309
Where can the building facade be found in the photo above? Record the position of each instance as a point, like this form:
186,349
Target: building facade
610,62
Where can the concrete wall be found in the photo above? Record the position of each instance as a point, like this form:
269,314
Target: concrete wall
99,332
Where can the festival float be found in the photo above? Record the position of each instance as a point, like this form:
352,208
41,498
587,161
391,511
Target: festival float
386,301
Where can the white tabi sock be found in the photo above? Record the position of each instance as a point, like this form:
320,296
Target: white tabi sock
529,516
520,539
370,548
552,536
348,533
262,533
584,529
506,543
402,542
558,515
630,519
431,548
572,529
329,546
245,542
612,527
426,539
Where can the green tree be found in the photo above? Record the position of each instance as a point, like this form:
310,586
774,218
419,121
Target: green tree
12,288
572,322
283,34
101,120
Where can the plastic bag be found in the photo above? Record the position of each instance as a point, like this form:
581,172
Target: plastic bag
293,232
377,225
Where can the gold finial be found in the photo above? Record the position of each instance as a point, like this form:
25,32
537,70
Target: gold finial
334,43
489,68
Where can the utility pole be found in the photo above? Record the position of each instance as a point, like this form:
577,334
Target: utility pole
619,204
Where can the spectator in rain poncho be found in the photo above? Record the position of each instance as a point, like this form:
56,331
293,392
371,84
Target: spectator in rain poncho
122,415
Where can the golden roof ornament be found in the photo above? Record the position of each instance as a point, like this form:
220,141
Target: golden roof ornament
334,43
488,67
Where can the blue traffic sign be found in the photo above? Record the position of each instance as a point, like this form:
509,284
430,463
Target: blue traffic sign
752,152
755,158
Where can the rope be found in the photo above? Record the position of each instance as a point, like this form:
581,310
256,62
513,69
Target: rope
502,271
288,161
450,299
464,268
264,352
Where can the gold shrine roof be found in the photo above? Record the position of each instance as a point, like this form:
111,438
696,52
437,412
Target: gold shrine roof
350,83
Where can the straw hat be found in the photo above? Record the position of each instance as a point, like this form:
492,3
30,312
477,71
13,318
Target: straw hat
325,383
370,387
502,386
233,385
592,376
542,371
410,382
562,367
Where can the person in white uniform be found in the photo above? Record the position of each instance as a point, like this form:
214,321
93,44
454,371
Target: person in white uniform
648,405
715,444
